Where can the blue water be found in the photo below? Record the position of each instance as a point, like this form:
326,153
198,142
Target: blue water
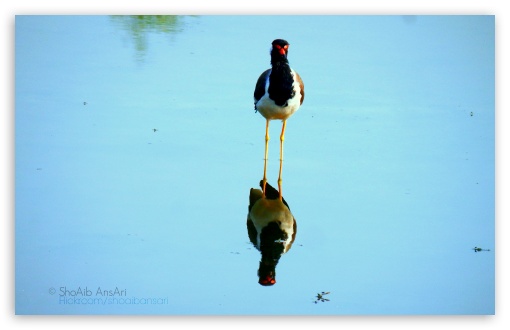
137,145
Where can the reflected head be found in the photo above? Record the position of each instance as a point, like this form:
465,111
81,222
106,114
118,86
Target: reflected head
267,273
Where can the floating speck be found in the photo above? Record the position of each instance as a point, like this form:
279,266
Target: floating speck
478,249
320,297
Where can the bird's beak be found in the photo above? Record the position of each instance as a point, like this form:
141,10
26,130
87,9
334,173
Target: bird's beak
267,281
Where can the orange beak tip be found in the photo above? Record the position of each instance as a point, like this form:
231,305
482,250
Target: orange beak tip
267,281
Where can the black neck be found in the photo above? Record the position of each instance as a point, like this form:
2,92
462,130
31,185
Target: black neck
277,59
280,81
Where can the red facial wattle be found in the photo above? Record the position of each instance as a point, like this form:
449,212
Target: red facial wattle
282,50
268,280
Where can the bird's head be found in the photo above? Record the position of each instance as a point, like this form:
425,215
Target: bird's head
267,271
280,48
267,280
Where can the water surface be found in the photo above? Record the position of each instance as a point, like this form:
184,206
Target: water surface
137,145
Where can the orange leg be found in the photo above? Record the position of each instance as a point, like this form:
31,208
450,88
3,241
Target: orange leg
264,180
282,138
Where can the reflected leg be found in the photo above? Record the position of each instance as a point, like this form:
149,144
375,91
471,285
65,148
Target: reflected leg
264,179
282,138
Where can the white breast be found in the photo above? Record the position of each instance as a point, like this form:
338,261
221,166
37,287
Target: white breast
267,210
270,110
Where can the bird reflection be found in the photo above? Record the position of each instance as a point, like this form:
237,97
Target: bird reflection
271,228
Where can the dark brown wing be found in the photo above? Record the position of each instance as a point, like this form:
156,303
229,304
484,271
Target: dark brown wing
293,236
252,232
255,195
302,86
260,87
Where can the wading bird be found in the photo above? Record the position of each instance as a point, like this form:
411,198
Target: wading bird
279,93
271,228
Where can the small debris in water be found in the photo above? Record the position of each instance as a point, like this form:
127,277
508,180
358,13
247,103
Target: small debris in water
320,297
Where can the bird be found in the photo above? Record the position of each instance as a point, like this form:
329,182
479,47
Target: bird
279,92
271,229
